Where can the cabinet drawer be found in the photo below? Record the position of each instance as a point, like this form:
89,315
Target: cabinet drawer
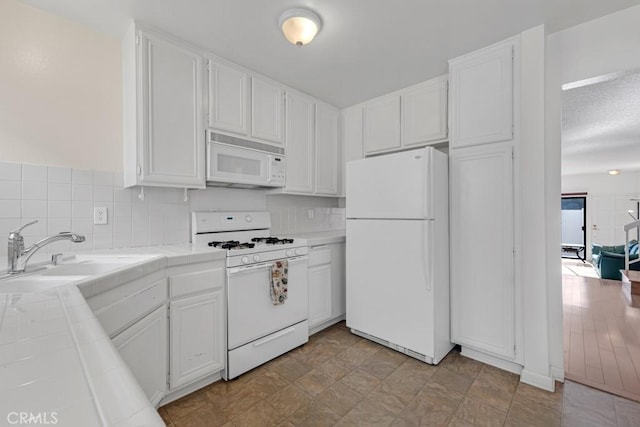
117,316
319,255
197,281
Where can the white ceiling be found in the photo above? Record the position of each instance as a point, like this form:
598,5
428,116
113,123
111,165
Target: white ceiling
601,126
366,47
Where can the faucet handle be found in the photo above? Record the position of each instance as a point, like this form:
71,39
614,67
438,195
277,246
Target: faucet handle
23,227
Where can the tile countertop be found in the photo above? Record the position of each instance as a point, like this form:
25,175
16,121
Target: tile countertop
57,364
319,237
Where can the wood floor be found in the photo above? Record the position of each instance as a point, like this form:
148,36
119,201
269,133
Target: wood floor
601,336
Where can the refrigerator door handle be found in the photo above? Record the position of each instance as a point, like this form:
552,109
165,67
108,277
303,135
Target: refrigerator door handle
427,254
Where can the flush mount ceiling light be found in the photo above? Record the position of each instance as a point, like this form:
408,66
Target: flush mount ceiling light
614,172
299,26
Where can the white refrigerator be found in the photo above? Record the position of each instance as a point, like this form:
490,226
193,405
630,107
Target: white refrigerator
397,210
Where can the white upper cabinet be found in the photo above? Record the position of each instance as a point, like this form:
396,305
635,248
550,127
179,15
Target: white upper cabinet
382,124
312,132
163,115
326,153
424,112
267,111
351,140
408,118
228,98
299,144
482,96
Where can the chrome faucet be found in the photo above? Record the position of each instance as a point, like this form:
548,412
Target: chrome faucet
18,256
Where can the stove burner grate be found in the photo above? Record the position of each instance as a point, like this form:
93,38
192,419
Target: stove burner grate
232,244
272,240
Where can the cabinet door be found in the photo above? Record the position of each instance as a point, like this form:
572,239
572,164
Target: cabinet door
338,280
173,148
143,347
382,124
352,134
299,137
228,98
267,118
424,113
482,244
482,96
197,337
326,155
319,294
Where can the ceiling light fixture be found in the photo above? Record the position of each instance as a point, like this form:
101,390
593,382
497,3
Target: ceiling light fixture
614,172
299,26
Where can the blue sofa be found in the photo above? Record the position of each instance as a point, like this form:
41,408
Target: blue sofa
609,260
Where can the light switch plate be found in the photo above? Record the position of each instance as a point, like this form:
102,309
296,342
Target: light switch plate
100,216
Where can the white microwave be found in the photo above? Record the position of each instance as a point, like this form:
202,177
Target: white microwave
237,162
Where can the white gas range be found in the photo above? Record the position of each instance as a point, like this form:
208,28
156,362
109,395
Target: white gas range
257,330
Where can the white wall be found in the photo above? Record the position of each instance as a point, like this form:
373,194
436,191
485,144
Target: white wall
60,91
605,45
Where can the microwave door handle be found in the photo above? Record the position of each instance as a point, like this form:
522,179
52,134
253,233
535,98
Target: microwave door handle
270,164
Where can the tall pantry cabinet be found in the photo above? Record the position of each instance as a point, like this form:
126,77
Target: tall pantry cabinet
484,146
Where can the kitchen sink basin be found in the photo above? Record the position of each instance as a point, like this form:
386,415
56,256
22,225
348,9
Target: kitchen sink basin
86,268
77,269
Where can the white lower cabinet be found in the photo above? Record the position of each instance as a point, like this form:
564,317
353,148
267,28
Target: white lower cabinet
326,285
320,292
197,337
338,280
144,348
169,327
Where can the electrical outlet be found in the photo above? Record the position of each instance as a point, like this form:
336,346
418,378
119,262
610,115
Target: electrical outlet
310,213
100,216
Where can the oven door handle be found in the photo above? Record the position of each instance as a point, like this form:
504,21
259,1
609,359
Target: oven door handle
249,268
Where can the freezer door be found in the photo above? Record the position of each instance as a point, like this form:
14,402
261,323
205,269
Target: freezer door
394,186
390,285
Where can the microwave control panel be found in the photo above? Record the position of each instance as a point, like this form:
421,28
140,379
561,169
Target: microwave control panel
278,167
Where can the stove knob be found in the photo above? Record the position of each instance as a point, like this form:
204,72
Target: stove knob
297,251
289,252
244,259
256,258
248,218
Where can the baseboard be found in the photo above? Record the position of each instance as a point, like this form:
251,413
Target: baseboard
544,382
492,360
326,324
557,373
190,388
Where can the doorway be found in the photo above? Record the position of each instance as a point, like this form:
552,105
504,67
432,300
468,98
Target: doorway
574,226
601,158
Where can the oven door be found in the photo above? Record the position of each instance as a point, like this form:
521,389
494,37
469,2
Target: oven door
238,165
251,315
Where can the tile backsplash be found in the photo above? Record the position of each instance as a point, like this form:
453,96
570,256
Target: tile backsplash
295,214
63,199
